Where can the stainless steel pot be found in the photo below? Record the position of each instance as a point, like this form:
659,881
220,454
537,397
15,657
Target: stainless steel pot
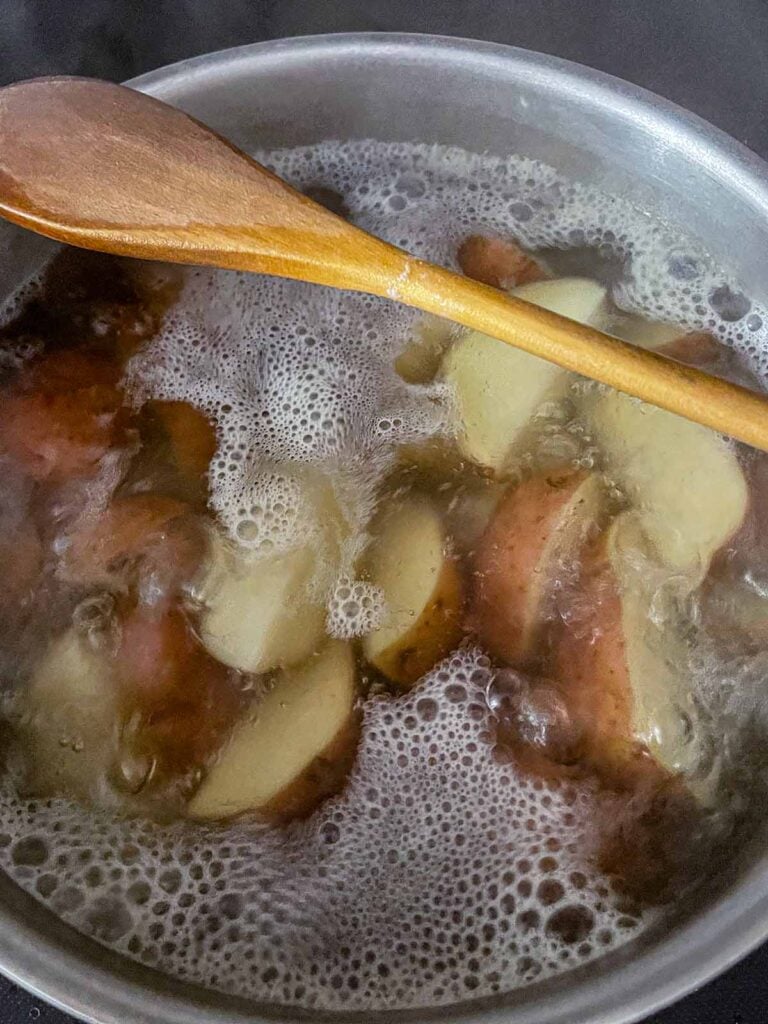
483,97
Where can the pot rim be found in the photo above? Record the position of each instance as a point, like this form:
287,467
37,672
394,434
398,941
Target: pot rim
677,964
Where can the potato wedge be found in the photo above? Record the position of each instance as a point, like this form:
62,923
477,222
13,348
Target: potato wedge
61,420
624,677
177,701
185,437
650,334
422,588
536,533
469,510
259,612
684,480
292,749
419,361
498,262
695,348
126,531
498,388
71,720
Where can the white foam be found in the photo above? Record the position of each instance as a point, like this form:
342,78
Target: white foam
439,874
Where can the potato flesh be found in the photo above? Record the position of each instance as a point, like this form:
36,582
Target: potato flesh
73,719
422,592
646,333
499,388
654,656
684,479
626,678
258,612
291,726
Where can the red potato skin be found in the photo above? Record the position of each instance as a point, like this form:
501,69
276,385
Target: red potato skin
63,416
100,303
695,349
21,560
746,552
498,262
505,610
130,527
184,699
190,434
648,816
590,664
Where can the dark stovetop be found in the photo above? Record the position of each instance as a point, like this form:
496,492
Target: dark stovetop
707,55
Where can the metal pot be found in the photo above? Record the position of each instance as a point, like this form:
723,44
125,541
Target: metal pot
483,97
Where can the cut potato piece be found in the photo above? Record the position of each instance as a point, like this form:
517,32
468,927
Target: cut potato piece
419,361
59,422
578,298
684,479
289,753
178,701
129,527
625,677
259,612
498,388
645,333
535,536
469,510
71,720
695,348
498,262
422,590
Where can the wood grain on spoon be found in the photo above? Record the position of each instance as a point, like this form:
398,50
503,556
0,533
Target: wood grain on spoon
104,167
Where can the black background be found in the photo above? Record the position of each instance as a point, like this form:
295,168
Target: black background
710,56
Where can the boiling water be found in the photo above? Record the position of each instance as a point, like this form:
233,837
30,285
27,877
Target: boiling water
442,871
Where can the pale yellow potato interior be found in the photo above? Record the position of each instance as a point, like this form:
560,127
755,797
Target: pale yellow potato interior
498,388
259,612
287,729
406,562
684,479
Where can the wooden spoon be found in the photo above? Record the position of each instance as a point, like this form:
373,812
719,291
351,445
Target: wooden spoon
104,167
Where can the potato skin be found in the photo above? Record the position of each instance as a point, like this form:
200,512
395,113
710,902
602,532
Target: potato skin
517,557
498,262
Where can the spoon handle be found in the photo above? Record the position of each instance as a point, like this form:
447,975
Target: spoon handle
725,407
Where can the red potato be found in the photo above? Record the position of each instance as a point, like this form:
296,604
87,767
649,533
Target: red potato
498,262
179,699
536,532
734,599
138,533
294,747
69,720
498,389
411,562
178,443
694,349
684,481
590,662
648,846
621,675
645,814
189,434
63,417
21,559
103,303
